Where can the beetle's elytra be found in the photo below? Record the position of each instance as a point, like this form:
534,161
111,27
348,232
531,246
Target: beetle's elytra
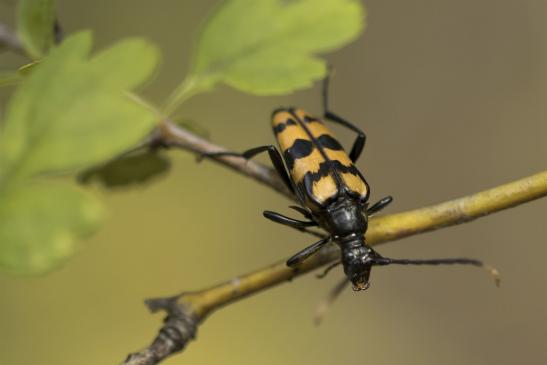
318,165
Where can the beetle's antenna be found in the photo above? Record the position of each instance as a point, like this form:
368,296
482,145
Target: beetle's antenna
381,261
326,304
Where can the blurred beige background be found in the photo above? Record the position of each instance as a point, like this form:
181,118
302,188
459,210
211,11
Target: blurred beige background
453,97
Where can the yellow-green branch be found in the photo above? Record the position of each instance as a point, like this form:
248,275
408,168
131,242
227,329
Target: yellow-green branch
186,311
381,229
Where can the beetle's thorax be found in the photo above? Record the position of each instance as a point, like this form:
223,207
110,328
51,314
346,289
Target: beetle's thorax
343,218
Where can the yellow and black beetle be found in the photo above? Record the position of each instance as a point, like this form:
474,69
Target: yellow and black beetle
332,193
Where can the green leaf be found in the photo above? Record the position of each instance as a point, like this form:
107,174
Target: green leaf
269,47
134,169
35,25
73,111
40,222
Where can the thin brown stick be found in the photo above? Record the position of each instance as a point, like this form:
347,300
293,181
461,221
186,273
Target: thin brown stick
173,135
187,310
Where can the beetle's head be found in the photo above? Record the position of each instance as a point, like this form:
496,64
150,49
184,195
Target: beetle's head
358,260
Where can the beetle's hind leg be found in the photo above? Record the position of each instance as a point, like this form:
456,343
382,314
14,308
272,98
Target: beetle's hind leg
359,143
274,154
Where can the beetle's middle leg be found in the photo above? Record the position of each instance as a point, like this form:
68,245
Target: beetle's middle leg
287,221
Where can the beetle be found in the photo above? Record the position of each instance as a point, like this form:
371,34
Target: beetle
331,191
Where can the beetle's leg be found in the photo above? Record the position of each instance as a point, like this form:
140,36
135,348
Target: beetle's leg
302,211
328,269
299,225
307,252
275,157
281,219
359,143
379,205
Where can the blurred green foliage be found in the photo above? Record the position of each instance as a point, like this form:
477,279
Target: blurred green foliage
9,78
40,223
268,47
72,112
135,168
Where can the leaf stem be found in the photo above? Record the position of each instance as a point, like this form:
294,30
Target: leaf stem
191,86
176,136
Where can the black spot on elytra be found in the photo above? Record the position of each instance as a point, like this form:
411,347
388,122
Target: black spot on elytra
310,119
327,141
301,148
327,167
281,126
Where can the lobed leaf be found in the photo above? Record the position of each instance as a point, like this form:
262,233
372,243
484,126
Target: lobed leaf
271,46
72,112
